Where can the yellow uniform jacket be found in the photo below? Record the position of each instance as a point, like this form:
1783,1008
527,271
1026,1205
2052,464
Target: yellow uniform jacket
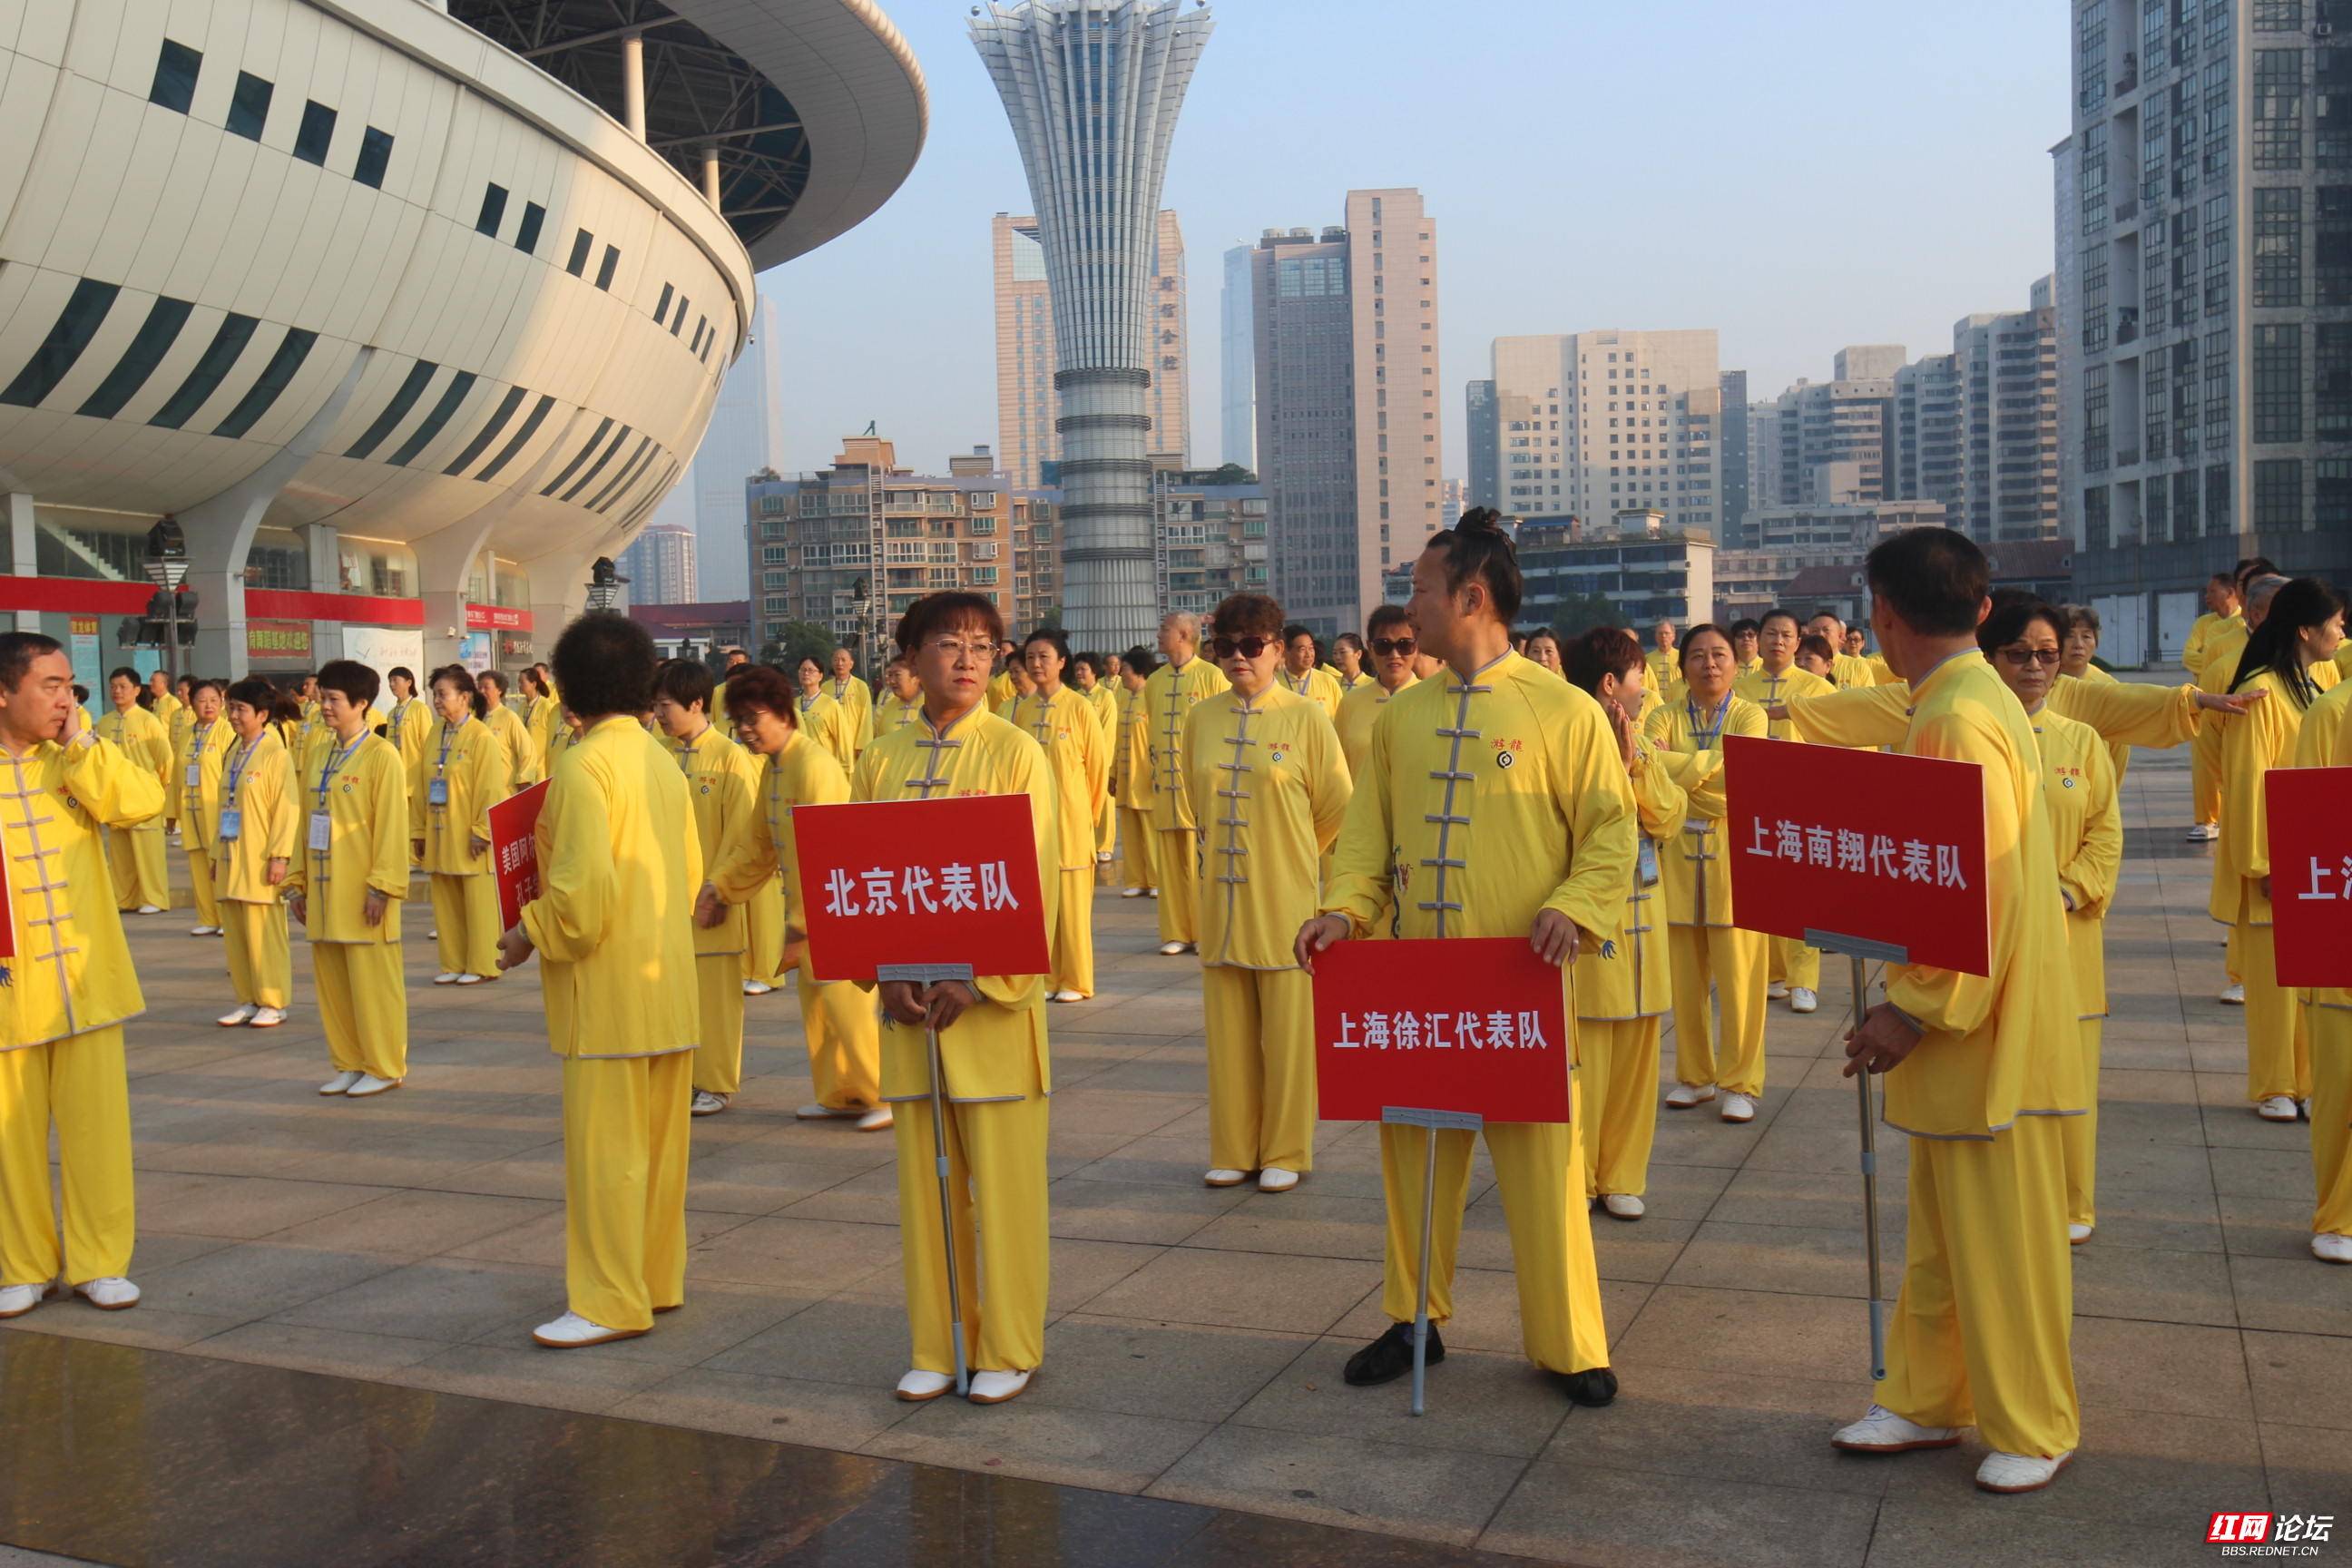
1663,667
803,773
722,782
2005,1044
2118,751
1850,670
613,921
473,767
1318,686
1131,757
141,736
367,846
856,705
183,720
523,761
546,718
1167,700
408,726
1001,691
1689,745
2196,649
2087,827
2122,713
1359,712
257,782
72,971
1269,789
2252,743
2225,645
1071,740
202,753
890,713
1760,688
988,1054
1104,700
822,721
1628,978
1483,802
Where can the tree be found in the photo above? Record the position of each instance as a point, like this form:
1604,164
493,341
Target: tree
801,639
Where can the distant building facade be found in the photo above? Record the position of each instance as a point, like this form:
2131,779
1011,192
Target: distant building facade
1589,424
659,565
1210,539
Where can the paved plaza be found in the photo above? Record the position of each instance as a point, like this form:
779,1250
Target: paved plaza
1196,1337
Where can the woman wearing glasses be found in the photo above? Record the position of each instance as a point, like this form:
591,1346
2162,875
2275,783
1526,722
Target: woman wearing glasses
993,1050
1064,723
822,719
1388,635
1269,788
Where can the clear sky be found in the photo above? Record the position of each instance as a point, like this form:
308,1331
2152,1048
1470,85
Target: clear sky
1797,176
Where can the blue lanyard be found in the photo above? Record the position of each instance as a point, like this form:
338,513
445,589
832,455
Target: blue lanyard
448,735
238,762
1707,736
335,761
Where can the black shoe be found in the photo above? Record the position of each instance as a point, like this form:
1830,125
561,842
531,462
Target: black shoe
1390,1357
1594,1387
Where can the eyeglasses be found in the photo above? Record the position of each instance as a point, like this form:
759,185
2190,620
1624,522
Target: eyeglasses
1384,646
1248,648
2045,656
954,650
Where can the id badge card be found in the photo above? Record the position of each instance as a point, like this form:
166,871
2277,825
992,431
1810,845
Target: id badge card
322,832
1649,864
436,793
232,823
195,775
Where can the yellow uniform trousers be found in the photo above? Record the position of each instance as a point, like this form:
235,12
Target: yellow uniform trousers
1981,1330
2080,1134
466,925
200,875
136,857
1261,1037
1136,841
1617,1090
1176,852
260,964
2278,1054
2231,963
2205,769
1073,933
1732,960
363,1002
625,1154
718,1059
1536,1163
2330,1031
764,919
844,1044
996,1173
1106,824
79,1084
1793,964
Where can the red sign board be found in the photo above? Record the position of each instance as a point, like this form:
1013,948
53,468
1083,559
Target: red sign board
920,881
2311,874
1887,849
497,617
514,851
1477,1025
278,640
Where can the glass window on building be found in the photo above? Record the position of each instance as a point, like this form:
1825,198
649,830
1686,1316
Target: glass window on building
2278,383
2278,494
2332,247
2152,378
375,566
2278,246
2331,502
2278,109
2217,390
278,559
2219,518
2331,382
2095,436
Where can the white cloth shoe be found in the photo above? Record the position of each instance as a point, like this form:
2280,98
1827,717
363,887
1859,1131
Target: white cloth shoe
1777,992
112,1294
2077,1234
2234,995
918,1385
878,1120
1272,1181
150,908
267,1018
370,1086
1171,948
471,979
2277,1108
756,988
1067,996
1130,893
572,1331
996,1387
1738,1108
2019,1472
1151,892
243,1015
447,977
16,1300
204,931
824,1113
1881,1431
1221,1177
1803,1000
2329,1248
1682,1096
2204,832
341,1082
1622,1205
706,1103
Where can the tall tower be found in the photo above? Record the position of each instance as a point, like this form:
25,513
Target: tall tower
1093,88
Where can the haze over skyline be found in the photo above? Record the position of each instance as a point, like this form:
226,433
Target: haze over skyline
1798,188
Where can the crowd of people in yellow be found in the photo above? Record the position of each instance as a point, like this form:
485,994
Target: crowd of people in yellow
1441,776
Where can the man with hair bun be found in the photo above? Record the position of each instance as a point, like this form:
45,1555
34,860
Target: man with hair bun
1167,700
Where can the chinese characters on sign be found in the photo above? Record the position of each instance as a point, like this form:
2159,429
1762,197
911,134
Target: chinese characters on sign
920,881
1852,852
919,889
514,851
1463,1025
2311,874
1428,1032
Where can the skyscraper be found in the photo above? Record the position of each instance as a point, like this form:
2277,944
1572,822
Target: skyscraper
746,435
1093,88
659,565
1732,458
1237,365
1592,424
1486,444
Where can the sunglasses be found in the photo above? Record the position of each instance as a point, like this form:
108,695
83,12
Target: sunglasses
1384,646
2022,656
1248,648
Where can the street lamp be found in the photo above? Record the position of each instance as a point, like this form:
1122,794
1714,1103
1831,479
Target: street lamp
605,583
167,568
862,593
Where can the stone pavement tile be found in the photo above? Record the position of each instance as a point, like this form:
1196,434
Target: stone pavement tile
1712,1426
1830,1147
1155,1213
859,1340
415,1223
1303,1223
2175,1369
1644,1249
341,1352
1797,1258
2264,1172
1157,1158
777,1409
2235,1127
1083,1270
2163,1051
227,1142
760,1178
2174,1221
1068,1152
869,1197
1046,1443
150,1325
714,1319
2310,1472
1814,1199
2142,1085
2124,1122
416,1157
1242,1291
2297,1295
1590,1513
1486,1312
1480,1403
1682,1191
2152,1285
258,1279
1444,1495
446,1299
582,1380
2268,1228
17,1557
161,1248
2154,1167
806,1257
533,1173
539,1243
1254,1540
2301,1380
1946,1531
1178,1073
1741,1333
1092,1109
1177,1372
2127,1469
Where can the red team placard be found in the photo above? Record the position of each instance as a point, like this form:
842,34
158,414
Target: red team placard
1477,1025
2311,874
920,881
514,851
1886,847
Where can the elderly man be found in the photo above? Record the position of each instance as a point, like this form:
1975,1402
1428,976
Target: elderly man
1664,664
1168,699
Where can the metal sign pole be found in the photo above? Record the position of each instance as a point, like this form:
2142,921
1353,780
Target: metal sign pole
930,974
1431,1122
1859,951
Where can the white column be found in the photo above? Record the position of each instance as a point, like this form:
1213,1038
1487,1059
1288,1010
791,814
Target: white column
22,556
633,83
710,173
324,544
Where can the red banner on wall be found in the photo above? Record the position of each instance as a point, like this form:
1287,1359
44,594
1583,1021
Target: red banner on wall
920,881
514,851
279,640
1863,844
2311,874
497,617
1475,1024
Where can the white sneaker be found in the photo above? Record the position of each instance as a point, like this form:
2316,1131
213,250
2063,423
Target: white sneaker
1130,893
1221,1177
1102,857
204,931
2019,1472
918,1385
1153,892
2329,1248
880,1119
370,1086
706,1103
2204,832
996,1387
243,1015
2234,995
1682,1096
1881,1431
341,1082
470,979
112,1294
1802,1000
824,1113
1622,1205
1067,996
267,1018
1777,992
572,1331
1272,1181
150,908
756,988
2077,1234
447,977
1738,1108
2277,1108
16,1300
1171,948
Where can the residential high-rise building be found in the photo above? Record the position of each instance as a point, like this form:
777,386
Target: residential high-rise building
1847,419
2204,294
1927,429
1763,454
1348,431
1450,504
1478,405
1237,364
2006,365
746,435
1592,424
1093,91
1731,455
659,565
1211,539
